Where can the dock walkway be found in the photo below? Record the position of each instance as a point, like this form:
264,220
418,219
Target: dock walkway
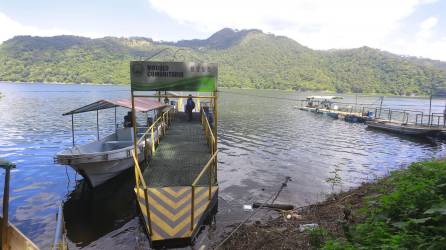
183,145
173,206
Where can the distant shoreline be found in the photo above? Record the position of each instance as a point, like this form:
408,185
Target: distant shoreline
230,88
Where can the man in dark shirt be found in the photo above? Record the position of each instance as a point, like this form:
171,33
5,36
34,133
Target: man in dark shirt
190,105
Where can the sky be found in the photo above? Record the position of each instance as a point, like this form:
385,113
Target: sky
406,27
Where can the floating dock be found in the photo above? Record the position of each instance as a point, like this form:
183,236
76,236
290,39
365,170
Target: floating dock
337,114
395,121
176,184
180,185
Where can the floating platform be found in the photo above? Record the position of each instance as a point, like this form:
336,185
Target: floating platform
346,116
179,186
405,128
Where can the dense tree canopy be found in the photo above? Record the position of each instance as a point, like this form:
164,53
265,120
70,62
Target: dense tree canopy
247,59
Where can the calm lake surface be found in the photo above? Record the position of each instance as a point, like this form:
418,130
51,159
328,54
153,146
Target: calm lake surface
262,139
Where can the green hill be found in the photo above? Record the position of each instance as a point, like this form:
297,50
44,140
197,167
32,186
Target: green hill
247,58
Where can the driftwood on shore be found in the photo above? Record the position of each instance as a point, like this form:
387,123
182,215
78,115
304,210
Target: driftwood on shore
274,206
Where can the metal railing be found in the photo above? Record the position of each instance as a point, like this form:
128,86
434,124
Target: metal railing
411,117
159,126
210,137
210,167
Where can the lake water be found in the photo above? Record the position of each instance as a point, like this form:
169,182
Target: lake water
262,139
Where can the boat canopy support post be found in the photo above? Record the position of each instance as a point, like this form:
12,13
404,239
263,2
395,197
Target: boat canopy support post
116,123
72,128
97,122
135,139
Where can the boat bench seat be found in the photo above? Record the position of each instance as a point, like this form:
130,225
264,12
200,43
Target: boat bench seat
116,142
113,145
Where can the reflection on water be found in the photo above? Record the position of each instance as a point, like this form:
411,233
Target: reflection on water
93,213
261,140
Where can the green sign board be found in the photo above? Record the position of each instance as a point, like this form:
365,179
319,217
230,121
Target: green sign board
174,76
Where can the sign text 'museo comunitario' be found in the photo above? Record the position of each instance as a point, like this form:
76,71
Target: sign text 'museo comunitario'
148,75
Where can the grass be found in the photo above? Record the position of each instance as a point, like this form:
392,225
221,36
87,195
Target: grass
408,211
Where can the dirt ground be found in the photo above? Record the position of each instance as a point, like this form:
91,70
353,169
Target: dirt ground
284,232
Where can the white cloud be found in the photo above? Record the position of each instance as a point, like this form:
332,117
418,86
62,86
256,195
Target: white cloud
424,42
10,28
429,23
319,24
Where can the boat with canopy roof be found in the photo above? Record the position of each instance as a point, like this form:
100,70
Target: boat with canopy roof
106,157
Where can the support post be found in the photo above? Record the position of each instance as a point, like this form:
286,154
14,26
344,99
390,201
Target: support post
116,122
381,106
72,127
135,139
215,118
5,209
97,122
153,142
192,209
430,109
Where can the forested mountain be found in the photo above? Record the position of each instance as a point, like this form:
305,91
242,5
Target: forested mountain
247,58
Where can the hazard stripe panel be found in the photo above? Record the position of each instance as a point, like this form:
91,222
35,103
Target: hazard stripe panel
170,210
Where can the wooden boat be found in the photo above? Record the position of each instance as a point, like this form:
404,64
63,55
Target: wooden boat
404,128
11,237
105,158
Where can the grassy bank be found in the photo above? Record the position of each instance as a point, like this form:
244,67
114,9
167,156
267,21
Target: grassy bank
405,210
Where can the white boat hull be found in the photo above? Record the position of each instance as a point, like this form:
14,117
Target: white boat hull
100,172
102,160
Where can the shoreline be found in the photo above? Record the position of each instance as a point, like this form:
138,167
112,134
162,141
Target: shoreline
231,88
378,214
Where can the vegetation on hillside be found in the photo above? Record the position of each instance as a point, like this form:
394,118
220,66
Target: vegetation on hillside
248,58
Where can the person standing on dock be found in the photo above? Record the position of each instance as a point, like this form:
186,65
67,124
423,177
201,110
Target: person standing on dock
190,105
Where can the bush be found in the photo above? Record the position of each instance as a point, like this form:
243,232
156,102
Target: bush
410,213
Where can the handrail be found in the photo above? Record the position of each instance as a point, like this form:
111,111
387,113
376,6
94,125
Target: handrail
139,178
204,169
138,172
152,126
208,131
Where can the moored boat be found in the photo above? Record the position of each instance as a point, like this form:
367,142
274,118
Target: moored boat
105,158
11,237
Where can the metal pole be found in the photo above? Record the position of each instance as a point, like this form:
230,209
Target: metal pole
135,139
430,109
215,116
97,122
58,235
381,106
5,210
72,127
116,123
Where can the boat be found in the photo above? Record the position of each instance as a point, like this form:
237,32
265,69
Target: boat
404,128
11,237
105,158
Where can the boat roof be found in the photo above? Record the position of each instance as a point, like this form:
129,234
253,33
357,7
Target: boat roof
142,104
321,97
